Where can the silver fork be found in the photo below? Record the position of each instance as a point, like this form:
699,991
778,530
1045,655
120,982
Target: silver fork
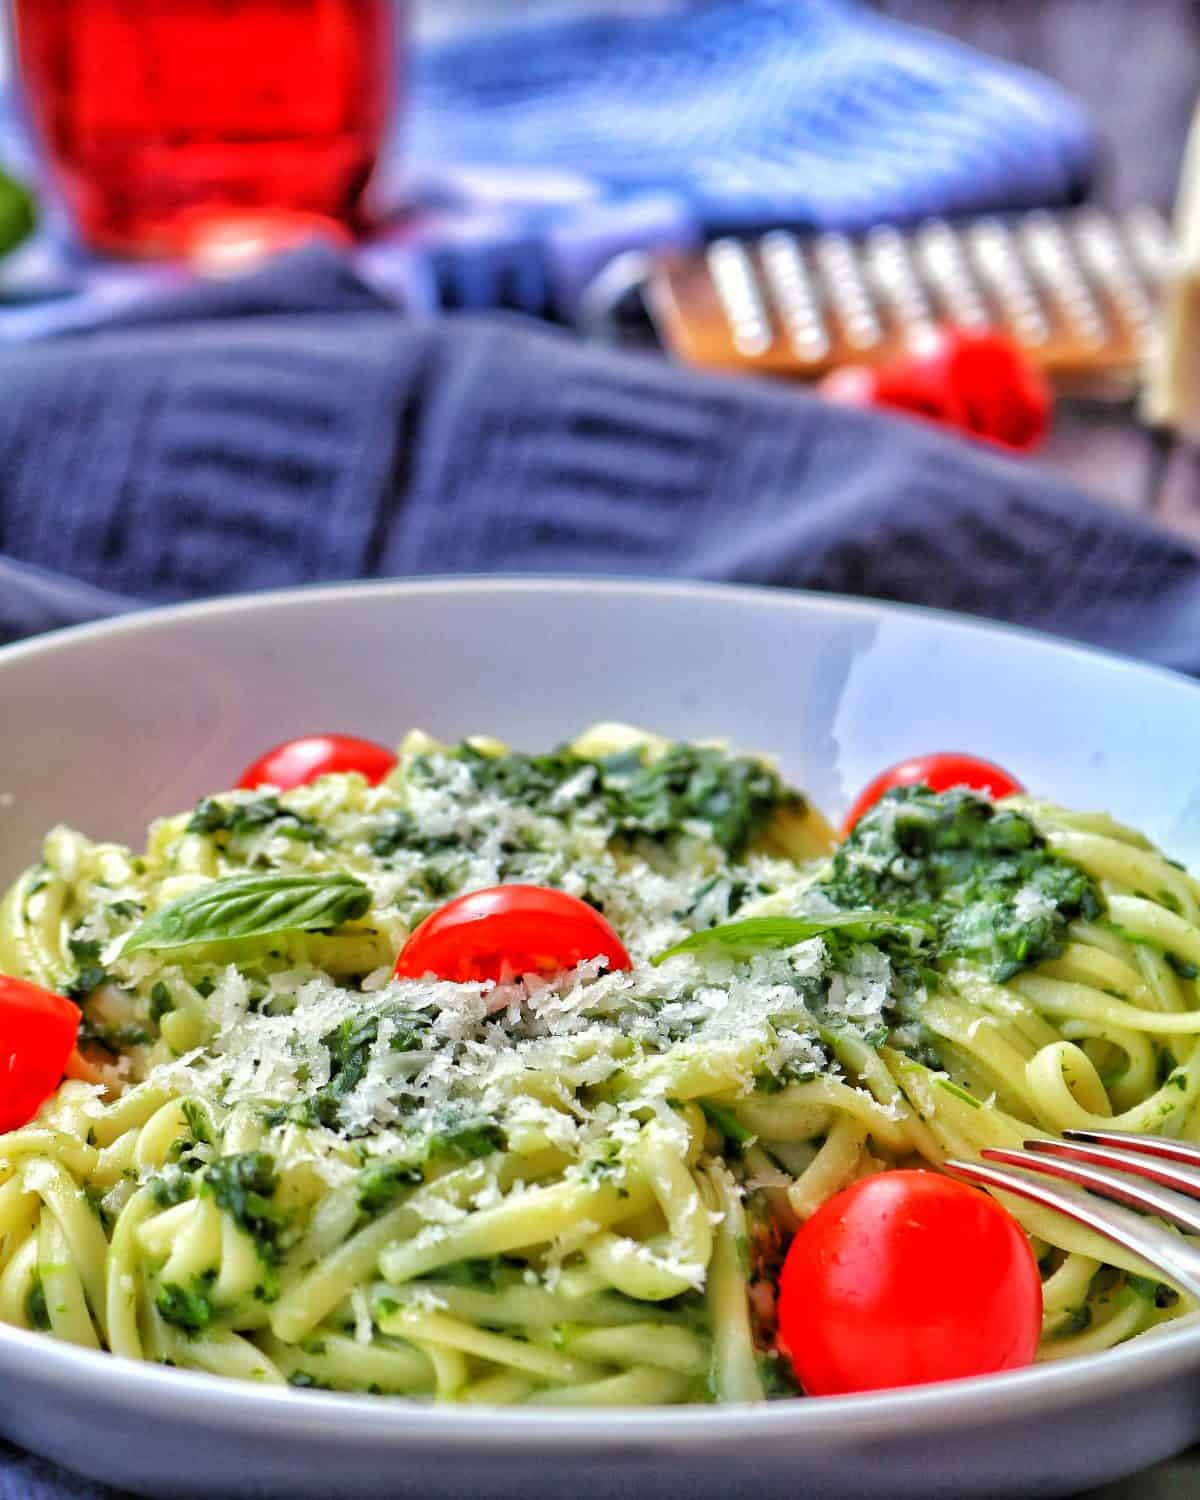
1145,1172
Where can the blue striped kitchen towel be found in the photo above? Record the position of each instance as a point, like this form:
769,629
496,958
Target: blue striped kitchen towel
535,150
241,443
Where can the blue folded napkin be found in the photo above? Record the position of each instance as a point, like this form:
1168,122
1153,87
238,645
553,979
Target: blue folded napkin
535,151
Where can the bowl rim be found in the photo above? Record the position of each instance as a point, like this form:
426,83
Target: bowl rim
603,585
192,1397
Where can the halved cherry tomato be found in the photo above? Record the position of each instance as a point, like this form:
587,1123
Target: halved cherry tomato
903,1278
508,931
939,772
37,1035
297,762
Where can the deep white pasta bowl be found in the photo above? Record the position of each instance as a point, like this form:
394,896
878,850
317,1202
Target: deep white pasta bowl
108,726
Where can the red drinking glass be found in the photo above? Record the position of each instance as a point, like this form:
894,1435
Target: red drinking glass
159,114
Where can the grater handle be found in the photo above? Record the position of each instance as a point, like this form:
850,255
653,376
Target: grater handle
1171,393
1077,290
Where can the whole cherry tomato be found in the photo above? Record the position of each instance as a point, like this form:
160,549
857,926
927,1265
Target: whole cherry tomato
939,772
297,762
37,1035
1002,395
981,383
507,931
907,1277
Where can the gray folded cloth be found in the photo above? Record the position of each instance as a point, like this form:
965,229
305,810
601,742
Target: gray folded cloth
254,444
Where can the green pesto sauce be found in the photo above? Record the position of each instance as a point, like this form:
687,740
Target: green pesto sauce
981,875
734,795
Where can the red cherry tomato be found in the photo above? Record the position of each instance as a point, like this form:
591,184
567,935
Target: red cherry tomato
37,1035
297,762
1002,394
939,772
903,1278
979,382
507,931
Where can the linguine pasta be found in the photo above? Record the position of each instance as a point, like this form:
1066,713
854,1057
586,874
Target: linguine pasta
277,1162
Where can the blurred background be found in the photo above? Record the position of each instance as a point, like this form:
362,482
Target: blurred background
1130,68
1135,65
864,295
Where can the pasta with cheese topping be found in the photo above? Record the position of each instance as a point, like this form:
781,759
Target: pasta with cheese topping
278,1162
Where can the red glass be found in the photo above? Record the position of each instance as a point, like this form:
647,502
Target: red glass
155,112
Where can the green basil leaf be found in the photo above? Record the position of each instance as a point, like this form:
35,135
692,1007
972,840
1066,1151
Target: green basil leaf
756,934
252,906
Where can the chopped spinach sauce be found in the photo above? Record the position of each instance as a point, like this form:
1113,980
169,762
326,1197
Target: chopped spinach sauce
241,819
457,1139
90,974
244,1186
36,1310
734,795
189,1308
981,875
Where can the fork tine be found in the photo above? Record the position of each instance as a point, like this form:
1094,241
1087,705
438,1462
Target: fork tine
1142,1145
1163,1253
1162,1202
1154,1167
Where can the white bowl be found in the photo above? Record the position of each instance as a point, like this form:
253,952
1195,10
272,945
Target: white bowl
107,726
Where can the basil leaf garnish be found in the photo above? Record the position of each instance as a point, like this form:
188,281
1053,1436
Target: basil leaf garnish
757,934
252,906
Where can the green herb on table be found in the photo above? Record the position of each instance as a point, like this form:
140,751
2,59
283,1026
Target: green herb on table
18,213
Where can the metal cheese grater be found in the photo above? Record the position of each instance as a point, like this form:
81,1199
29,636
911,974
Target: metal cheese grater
1079,290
